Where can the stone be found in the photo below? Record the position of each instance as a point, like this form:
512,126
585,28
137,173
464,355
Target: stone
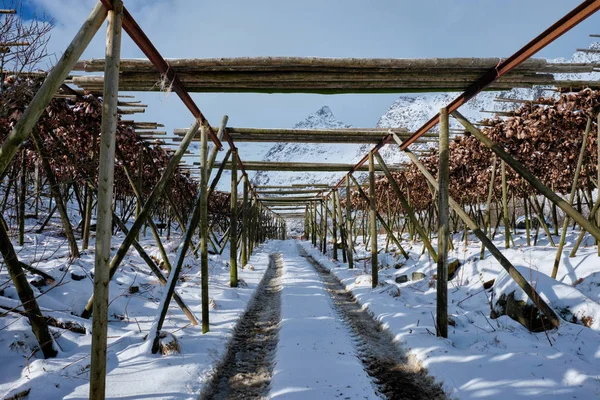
417,276
452,269
524,313
402,278
77,277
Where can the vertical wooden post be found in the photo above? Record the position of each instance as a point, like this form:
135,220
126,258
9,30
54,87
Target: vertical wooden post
349,237
373,222
340,219
204,225
487,229
22,196
138,203
89,201
527,219
334,227
36,187
306,223
325,225
233,236
314,223
443,226
105,194
246,210
505,206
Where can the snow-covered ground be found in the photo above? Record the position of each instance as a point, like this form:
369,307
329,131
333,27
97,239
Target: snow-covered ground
132,371
315,356
484,357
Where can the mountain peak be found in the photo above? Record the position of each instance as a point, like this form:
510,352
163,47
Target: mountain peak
325,111
323,118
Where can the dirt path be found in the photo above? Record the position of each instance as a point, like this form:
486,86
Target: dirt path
247,370
383,361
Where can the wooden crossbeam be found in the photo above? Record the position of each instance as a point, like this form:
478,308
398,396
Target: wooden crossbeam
326,75
300,167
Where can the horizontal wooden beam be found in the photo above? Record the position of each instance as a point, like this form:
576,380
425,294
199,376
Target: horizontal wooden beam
298,166
363,135
251,64
288,199
294,186
325,75
283,192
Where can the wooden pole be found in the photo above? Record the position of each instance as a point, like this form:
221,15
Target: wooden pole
306,223
487,218
22,196
373,222
245,221
215,181
505,206
140,175
542,219
323,228
204,226
526,213
314,224
88,202
105,195
334,227
233,228
53,81
340,220
563,233
443,226
36,187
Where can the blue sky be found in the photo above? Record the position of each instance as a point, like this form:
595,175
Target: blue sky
334,28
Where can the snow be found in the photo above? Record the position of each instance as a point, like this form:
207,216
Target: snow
486,358
132,371
315,355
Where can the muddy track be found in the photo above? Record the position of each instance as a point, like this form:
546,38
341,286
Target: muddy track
248,366
382,359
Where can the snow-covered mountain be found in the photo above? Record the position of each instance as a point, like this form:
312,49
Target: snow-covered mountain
308,152
407,111
411,112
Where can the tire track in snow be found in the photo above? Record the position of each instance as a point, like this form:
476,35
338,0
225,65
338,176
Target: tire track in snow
248,366
382,359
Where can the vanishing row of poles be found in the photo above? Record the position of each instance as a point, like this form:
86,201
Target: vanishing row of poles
319,211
